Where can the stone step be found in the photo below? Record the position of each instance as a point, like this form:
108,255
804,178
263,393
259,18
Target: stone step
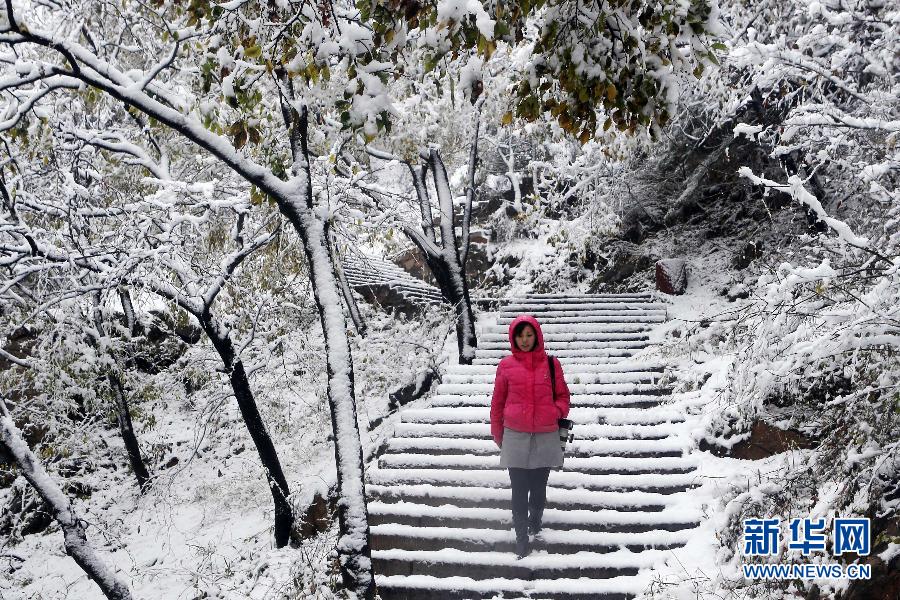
567,348
552,347
480,496
572,377
427,587
625,295
648,462
588,316
591,431
578,400
433,538
506,565
442,448
581,353
568,328
539,307
660,483
610,415
620,415
403,291
603,360
625,366
363,277
472,389
563,340
598,519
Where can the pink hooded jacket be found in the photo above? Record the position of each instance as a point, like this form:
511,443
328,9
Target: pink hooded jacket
523,399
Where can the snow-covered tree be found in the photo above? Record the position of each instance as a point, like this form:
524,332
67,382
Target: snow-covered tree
75,540
621,57
148,251
238,82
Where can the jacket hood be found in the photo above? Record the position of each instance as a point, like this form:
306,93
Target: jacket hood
539,345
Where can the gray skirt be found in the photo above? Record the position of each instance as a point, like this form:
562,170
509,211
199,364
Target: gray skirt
523,450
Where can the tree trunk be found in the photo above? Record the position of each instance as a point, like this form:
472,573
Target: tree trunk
128,311
346,290
353,548
456,291
350,301
123,415
74,537
240,385
123,412
353,517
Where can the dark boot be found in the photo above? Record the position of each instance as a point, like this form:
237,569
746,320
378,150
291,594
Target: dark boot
519,483
537,499
535,516
523,547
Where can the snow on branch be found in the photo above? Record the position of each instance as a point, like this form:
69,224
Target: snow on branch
794,187
75,539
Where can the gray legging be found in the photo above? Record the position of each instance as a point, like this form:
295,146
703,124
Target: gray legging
529,489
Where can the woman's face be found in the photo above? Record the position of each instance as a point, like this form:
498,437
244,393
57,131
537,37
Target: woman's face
526,339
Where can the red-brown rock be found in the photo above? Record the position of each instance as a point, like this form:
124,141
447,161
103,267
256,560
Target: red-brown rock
671,276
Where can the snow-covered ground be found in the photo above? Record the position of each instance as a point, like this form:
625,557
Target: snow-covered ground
204,529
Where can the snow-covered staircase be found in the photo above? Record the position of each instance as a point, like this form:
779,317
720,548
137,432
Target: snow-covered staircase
368,274
439,502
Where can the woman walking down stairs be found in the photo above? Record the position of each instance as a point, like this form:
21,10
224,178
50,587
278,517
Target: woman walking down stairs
529,401
439,501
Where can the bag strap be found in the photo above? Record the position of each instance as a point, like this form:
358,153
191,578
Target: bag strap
552,377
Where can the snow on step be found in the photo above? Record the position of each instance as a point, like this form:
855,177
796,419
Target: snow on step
604,359
572,377
585,431
484,496
469,588
575,317
470,538
574,388
570,348
601,449
490,339
567,328
605,351
454,561
599,465
612,416
551,346
581,302
670,518
535,307
656,482
630,296
582,400
570,367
